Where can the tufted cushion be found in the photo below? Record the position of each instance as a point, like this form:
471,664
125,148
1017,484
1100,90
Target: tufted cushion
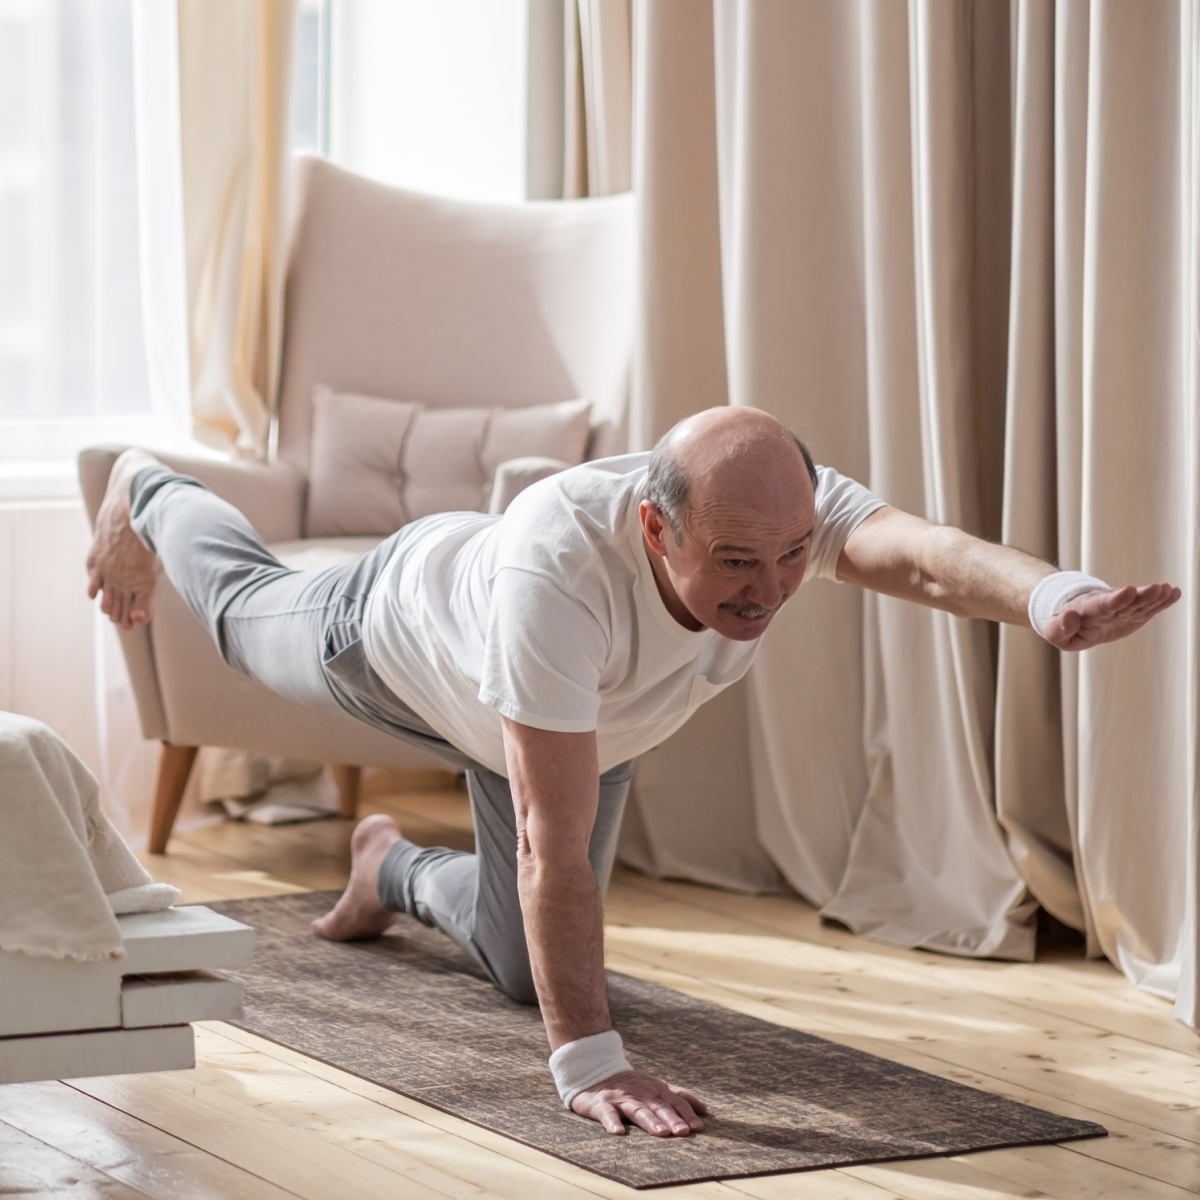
376,464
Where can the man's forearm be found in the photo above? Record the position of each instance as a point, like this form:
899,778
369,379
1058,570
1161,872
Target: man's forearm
972,578
564,929
554,778
901,555
555,784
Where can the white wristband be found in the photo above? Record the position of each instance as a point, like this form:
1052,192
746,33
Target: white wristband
583,1063
1055,590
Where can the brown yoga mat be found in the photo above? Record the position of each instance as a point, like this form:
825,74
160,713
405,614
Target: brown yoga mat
410,1011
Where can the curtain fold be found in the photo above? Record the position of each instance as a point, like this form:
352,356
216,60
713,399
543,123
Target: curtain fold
928,864
598,79
1138,403
213,134
1187,997
957,251
690,811
1030,730
790,161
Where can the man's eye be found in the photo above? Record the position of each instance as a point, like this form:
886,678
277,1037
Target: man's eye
792,555
735,563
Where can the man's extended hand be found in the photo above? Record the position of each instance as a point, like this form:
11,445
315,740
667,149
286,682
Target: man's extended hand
1106,616
657,1107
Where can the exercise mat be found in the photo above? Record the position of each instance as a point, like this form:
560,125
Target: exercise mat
411,1012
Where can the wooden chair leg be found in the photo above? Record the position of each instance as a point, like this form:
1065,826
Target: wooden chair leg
347,779
174,767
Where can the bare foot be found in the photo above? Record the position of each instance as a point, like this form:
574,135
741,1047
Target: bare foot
119,566
358,914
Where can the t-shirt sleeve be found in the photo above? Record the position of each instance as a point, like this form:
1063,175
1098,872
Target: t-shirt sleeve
842,503
544,654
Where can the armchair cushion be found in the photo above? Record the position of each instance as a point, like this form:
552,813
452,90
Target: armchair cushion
377,464
354,481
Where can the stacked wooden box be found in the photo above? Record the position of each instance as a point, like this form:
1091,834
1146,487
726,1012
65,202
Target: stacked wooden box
61,1019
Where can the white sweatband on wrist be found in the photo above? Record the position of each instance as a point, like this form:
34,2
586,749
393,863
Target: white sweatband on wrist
1056,590
585,1062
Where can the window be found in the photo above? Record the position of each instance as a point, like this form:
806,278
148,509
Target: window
431,94
310,78
428,94
71,361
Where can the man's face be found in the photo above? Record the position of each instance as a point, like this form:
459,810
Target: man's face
741,554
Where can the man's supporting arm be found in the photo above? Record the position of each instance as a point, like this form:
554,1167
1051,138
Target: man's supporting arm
555,785
902,555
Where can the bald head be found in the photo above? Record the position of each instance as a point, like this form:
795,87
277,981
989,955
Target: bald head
721,453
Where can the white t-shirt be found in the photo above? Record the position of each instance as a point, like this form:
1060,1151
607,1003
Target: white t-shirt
550,615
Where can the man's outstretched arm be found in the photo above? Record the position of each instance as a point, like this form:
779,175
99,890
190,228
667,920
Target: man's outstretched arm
902,555
555,785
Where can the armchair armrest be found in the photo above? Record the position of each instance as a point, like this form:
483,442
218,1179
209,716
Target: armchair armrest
271,495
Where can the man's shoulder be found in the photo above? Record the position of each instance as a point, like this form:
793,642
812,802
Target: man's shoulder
598,490
603,475
575,523
842,504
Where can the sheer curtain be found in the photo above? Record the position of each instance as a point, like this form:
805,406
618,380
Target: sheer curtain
957,252
213,123
72,370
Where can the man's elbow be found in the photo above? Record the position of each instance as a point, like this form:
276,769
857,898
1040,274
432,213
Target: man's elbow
528,858
541,852
938,565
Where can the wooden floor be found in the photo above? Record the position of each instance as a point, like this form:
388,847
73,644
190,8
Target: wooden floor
259,1122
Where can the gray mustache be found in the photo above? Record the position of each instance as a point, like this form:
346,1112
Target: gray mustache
747,610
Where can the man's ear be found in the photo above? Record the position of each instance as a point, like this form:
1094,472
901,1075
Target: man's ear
654,527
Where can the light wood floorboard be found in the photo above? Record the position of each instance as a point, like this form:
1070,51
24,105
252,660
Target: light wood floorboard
258,1121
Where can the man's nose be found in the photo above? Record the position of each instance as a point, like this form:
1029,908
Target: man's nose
769,588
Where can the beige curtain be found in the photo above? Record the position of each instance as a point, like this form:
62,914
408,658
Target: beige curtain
579,115
213,142
1122,252
691,808
598,98
954,246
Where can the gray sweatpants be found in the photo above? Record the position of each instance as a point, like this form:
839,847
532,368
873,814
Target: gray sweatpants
300,633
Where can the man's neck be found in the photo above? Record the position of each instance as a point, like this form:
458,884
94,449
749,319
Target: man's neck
670,597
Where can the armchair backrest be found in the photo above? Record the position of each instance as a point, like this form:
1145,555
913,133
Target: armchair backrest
450,303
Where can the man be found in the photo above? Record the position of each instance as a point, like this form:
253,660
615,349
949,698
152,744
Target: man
545,649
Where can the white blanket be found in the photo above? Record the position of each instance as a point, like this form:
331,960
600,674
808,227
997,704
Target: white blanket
65,872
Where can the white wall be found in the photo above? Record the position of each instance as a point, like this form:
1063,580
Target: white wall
60,660
47,657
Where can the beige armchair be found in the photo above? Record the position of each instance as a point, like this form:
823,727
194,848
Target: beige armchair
416,300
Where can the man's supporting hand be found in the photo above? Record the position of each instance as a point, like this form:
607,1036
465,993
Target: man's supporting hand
1106,616
657,1107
